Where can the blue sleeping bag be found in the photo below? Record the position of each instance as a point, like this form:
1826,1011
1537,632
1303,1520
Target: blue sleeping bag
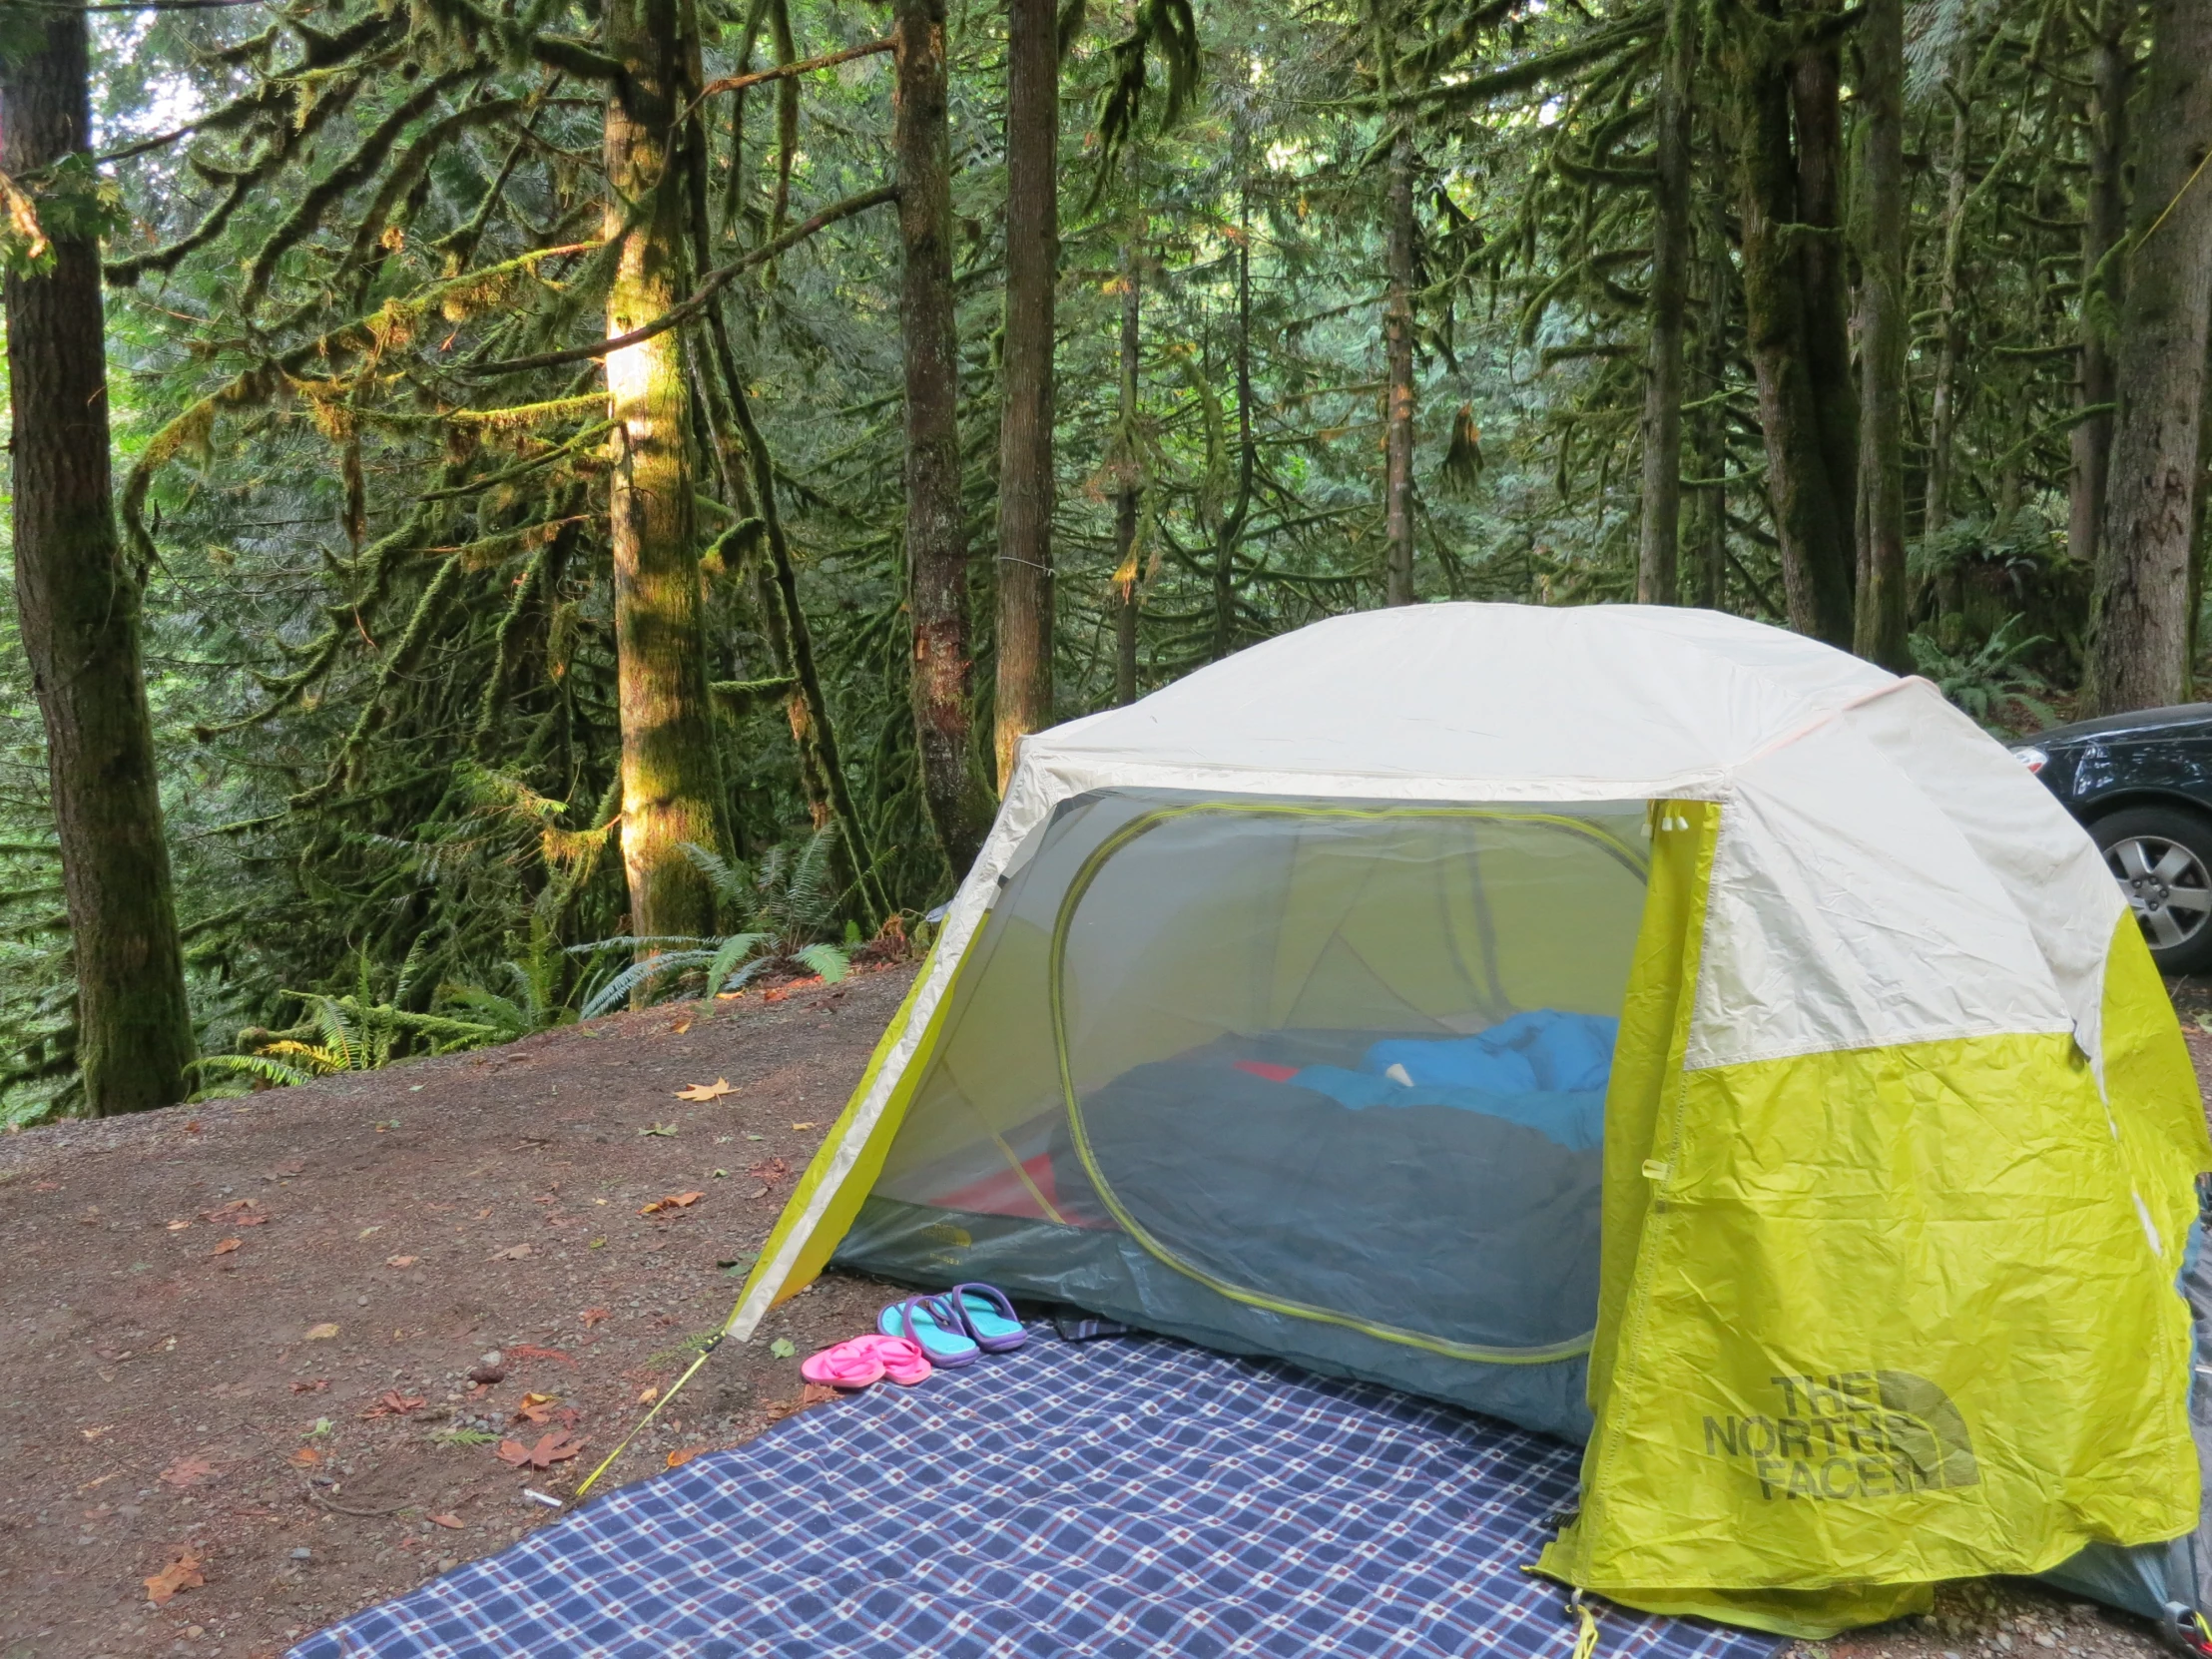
1545,1069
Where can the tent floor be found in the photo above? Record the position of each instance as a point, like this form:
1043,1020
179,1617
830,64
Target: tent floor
1122,1498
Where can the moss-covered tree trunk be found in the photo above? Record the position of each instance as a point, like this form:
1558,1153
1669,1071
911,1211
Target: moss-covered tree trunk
671,792
1881,613
1786,319
2103,221
1942,397
1129,479
1025,639
78,601
1397,392
936,534
1658,539
2138,655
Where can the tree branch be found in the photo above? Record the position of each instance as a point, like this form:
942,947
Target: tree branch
713,283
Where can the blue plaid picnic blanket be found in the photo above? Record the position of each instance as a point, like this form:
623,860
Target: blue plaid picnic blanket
1136,1497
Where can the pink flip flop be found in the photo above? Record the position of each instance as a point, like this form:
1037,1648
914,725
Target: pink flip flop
901,1356
846,1365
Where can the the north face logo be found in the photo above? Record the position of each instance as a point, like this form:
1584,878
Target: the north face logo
1850,1434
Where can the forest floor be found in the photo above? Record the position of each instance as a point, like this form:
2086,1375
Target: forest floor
237,1340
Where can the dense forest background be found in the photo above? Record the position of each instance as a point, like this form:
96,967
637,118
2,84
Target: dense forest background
974,366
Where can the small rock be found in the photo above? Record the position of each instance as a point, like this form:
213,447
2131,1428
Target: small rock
494,1358
487,1375
302,1555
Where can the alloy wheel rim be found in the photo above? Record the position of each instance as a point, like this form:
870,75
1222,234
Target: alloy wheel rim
2165,885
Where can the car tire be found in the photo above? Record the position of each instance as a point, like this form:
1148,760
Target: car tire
2161,857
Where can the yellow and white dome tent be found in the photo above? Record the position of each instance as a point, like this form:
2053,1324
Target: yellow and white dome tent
1277,1013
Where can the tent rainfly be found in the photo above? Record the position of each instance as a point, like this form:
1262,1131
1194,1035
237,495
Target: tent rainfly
1639,1025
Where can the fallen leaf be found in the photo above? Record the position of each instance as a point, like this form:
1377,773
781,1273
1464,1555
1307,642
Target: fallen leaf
451,1521
402,1261
592,1316
706,1091
684,1455
322,1333
659,1129
368,1231
808,1124
46,1186
393,1403
674,1201
185,1471
182,1573
250,1221
783,1348
306,1458
192,1128
679,1029
814,1393
513,1253
531,1351
226,1247
770,1171
315,1387
647,1396
178,1226
550,1450
535,1409
95,1434
224,1212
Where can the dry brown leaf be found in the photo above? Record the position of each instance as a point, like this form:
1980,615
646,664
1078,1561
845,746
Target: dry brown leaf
182,1573
769,1170
513,1253
250,1221
592,1316
680,1027
178,1226
531,1351
550,1450
451,1521
402,1261
535,1409
314,1385
814,1393
647,1395
226,1247
706,1091
322,1333
306,1458
684,1455
393,1403
674,1201
808,1124
186,1471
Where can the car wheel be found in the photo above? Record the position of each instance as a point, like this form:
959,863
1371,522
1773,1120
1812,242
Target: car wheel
2161,857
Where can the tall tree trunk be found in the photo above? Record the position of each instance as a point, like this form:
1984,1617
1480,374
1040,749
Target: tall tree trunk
78,601
1942,412
1025,410
1397,351
1129,459
671,791
1812,523
1880,614
1658,540
1816,108
2103,219
1709,428
937,533
1230,541
2139,612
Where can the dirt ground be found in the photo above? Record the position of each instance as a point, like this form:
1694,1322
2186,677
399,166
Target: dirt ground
237,1340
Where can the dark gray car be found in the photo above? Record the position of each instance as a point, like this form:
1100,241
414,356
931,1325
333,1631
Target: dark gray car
2141,784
